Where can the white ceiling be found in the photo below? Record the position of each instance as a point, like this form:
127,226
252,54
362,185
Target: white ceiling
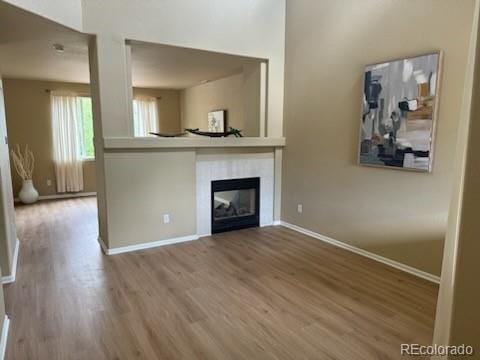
155,65
26,48
26,51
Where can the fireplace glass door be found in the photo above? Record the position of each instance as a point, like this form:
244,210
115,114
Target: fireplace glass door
235,204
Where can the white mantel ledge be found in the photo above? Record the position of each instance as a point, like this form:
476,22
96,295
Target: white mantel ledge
190,142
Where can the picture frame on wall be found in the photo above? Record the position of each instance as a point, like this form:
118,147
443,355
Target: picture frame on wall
217,120
399,113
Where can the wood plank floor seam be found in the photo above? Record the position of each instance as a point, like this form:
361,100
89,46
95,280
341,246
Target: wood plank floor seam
262,293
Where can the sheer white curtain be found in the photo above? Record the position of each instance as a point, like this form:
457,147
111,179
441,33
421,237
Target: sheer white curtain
145,116
67,141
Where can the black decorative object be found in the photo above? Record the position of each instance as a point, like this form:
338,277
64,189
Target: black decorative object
231,131
168,135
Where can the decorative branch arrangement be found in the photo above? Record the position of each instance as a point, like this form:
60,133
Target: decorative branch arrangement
23,162
230,131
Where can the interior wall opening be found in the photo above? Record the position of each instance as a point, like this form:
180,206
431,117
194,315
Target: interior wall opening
177,89
48,118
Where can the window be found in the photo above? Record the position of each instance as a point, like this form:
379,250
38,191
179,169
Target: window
87,149
145,116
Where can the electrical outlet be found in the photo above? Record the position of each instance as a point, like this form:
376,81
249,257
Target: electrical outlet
300,208
166,218
49,182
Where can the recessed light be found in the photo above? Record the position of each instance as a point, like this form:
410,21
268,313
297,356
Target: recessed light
58,47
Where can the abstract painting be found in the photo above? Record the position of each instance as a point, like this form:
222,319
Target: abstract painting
398,113
216,121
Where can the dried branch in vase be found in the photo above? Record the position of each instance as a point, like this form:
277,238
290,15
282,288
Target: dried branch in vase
23,162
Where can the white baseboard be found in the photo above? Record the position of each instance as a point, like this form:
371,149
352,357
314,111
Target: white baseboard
67,196
337,243
136,247
368,254
63,196
11,278
103,246
4,338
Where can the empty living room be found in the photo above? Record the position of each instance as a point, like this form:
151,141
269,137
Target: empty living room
256,179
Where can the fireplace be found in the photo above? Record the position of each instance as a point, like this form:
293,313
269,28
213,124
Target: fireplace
235,204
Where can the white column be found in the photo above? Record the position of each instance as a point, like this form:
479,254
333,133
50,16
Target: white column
263,98
111,89
114,85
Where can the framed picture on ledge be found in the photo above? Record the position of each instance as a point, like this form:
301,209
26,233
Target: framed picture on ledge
216,120
399,111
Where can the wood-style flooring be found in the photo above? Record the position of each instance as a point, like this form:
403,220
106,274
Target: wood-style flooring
267,293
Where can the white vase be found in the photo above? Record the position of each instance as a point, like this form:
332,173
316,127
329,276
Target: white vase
28,194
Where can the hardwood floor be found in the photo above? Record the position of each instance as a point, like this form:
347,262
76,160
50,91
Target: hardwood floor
267,293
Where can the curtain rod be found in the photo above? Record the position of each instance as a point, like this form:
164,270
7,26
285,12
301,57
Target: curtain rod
139,96
81,93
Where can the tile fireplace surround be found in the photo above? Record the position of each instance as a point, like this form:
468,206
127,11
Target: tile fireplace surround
210,167
176,180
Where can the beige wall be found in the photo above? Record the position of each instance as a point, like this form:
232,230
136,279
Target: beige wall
397,214
458,313
252,98
7,216
250,28
8,232
136,204
238,94
29,122
254,28
168,104
2,309
466,297
98,140
226,93
31,125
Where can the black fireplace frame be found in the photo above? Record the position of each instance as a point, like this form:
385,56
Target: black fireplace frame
235,223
